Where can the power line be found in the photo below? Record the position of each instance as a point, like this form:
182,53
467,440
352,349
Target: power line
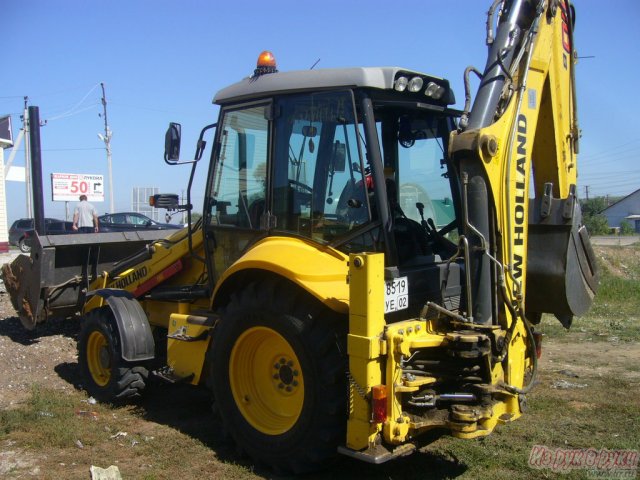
611,177
621,157
51,94
72,113
77,105
617,184
65,149
611,149
138,107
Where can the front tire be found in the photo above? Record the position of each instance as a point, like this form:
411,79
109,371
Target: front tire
278,376
105,374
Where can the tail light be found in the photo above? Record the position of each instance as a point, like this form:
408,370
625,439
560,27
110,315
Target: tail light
379,394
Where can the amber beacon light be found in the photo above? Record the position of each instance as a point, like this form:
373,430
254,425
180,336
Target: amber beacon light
266,64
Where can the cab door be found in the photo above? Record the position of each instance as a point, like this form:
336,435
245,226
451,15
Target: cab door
236,196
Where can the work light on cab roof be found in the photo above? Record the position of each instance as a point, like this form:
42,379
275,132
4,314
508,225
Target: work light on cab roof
266,64
415,85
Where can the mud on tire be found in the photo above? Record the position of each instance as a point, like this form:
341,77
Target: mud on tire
278,362
105,374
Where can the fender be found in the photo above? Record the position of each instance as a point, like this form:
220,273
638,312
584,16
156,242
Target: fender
319,269
136,338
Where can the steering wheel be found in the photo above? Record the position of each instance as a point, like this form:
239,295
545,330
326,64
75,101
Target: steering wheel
300,187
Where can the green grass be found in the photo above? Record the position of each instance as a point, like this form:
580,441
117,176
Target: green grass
49,416
557,420
171,435
615,313
49,425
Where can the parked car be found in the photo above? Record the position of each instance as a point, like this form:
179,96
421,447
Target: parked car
18,232
132,221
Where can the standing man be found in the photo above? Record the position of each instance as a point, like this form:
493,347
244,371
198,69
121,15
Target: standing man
85,217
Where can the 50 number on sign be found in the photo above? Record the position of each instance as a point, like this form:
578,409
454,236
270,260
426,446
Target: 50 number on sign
79,187
396,295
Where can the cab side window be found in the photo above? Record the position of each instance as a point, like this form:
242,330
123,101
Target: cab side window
239,184
318,186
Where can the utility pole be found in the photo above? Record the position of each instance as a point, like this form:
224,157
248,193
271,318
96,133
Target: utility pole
27,156
106,138
36,169
586,191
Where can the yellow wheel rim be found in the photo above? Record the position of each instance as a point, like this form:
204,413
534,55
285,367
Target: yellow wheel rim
99,358
266,380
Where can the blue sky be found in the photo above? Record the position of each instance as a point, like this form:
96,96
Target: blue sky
163,61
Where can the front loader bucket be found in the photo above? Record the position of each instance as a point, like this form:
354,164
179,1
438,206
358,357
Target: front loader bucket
53,280
562,275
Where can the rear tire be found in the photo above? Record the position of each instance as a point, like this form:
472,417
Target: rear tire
278,362
105,374
22,245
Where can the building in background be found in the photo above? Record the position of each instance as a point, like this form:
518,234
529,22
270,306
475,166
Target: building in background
6,141
140,203
626,209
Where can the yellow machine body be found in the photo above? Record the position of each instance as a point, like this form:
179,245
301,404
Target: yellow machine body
535,131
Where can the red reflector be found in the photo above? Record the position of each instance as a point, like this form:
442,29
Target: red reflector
379,395
537,337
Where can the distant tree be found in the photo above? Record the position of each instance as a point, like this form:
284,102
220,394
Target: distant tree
596,222
626,228
593,206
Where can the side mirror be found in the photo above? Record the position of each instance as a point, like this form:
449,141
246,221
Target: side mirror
309,131
169,201
172,143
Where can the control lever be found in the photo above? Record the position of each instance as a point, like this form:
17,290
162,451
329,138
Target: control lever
426,226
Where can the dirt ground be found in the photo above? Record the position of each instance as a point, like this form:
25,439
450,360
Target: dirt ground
574,370
46,357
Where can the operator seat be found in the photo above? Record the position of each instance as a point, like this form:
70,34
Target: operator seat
256,209
412,242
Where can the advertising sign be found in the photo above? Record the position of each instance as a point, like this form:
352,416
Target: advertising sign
67,187
6,135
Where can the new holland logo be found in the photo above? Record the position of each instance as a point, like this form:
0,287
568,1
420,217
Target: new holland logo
136,275
520,201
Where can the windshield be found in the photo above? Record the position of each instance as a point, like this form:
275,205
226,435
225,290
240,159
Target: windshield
319,181
421,183
422,172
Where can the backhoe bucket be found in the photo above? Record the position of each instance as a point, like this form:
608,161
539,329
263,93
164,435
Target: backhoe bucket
53,280
562,276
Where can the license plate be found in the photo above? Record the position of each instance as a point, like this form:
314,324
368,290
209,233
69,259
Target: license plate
396,295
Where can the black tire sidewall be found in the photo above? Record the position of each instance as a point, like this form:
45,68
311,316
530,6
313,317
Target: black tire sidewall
103,323
255,442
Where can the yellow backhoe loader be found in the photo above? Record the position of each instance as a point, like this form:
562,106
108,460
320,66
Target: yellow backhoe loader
370,263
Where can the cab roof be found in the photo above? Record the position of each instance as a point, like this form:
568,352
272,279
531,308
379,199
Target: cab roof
321,79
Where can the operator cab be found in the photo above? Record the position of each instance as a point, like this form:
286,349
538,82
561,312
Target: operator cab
355,159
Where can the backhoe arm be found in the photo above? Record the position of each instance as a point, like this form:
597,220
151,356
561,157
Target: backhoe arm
522,133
